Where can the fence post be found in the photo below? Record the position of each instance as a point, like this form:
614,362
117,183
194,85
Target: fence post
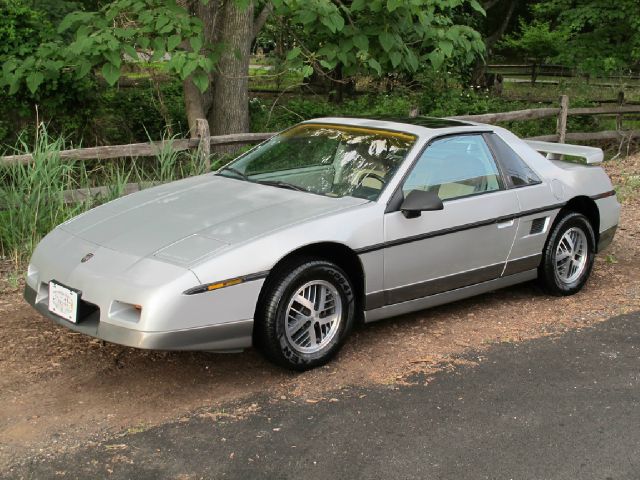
561,126
204,146
619,117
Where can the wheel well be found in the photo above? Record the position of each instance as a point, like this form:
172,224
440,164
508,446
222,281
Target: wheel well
588,208
337,253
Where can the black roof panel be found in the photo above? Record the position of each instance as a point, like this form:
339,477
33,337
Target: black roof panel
427,122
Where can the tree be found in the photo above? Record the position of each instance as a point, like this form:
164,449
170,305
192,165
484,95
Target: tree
493,26
603,37
537,42
207,44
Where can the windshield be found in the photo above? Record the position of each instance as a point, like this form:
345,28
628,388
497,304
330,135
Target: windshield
332,160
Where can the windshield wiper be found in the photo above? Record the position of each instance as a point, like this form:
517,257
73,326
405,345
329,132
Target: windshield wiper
236,172
280,184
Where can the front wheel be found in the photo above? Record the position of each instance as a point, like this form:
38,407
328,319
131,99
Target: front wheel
306,314
568,255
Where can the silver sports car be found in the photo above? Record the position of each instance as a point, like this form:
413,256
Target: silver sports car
332,220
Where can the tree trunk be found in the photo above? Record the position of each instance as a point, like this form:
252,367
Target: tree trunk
193,105
479,69
196,103
230,107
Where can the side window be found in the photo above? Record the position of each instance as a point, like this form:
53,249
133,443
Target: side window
517,173
455,167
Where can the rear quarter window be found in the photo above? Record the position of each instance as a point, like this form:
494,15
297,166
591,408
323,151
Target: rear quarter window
516,171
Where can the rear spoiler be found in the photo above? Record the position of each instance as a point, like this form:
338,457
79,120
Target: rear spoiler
554,150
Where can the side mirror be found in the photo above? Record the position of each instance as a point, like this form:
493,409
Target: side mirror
419,201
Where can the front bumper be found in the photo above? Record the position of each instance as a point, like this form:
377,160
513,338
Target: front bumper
220,337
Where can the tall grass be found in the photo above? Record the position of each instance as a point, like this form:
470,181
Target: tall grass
32,196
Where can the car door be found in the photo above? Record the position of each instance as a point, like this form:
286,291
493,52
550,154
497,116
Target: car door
535,198
468,241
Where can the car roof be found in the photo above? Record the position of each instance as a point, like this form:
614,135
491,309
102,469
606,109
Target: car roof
421,126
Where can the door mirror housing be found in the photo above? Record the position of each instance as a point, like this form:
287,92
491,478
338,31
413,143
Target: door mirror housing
419,201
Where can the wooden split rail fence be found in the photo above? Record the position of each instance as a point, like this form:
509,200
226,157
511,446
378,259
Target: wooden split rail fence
562,112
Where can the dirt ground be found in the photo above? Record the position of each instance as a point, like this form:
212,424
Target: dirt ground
60,390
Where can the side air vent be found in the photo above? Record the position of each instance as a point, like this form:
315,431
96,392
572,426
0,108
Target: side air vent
537,225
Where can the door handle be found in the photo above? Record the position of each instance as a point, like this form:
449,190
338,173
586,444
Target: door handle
506,223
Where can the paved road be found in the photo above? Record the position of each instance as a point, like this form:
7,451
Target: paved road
554,408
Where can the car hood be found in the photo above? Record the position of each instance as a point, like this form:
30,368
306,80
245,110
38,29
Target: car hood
184,221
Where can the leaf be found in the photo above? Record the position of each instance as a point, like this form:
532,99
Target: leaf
328,22
161,22
436,58
395,58
477,7
129,50
111,73
412,60
14,85
307,16
75,17
328,64
84,67
447,47
392,5
386,41
338,21
361,42
201,80
342,56
373,63
113,57
307,71
9,66
358,5
173,41
328,51
188,68
196,43
34,79
294,53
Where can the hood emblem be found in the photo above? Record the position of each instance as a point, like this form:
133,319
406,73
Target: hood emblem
86,258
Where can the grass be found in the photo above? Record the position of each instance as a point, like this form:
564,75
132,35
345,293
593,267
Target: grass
32,196
628,188
578,91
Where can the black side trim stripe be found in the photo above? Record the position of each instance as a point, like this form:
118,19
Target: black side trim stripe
452,282
468,226
522,264
231,281
459,228
444,284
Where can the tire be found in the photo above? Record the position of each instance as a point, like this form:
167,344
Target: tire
567,259
292,334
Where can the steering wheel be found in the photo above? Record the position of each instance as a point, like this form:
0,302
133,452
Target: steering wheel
373,175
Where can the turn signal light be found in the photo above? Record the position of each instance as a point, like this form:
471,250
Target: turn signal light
214,286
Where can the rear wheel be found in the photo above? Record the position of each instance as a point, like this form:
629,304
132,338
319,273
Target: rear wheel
568,255
306,314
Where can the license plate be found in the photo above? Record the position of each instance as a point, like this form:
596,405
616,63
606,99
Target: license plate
63,302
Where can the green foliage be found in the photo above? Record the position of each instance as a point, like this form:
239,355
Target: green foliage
373,37
33,194
33,198
22,29
85,40
536,40
603,37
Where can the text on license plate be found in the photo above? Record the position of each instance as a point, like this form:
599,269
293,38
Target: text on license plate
63,302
